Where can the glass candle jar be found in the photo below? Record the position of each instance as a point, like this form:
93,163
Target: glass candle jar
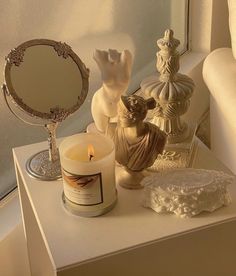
88,173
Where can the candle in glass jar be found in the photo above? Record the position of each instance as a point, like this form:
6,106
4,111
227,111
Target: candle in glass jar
88,172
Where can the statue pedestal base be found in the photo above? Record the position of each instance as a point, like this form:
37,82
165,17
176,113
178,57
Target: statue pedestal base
129,179
179,155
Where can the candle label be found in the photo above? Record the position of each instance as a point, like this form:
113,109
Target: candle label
83,190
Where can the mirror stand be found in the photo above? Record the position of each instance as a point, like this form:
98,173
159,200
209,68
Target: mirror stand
45,164
53,151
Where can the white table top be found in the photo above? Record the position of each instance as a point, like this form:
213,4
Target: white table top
71,240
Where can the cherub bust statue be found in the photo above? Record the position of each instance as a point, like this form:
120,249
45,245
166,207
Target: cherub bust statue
137,143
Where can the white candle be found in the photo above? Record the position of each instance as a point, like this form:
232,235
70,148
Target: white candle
88,177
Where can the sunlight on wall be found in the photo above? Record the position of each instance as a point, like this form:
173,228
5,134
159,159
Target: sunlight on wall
90,17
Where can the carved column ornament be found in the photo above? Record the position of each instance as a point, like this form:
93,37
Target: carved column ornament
170,89
172,92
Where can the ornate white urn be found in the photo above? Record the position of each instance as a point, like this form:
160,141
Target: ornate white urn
171,90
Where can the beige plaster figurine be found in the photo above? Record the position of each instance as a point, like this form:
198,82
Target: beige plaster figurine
137,143
171,90
115,69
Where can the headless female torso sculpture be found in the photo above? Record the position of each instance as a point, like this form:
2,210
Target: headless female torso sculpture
115,69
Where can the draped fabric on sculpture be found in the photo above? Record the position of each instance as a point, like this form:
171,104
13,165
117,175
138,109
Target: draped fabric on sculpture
140,155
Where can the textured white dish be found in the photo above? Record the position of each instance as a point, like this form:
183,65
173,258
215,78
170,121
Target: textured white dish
187,192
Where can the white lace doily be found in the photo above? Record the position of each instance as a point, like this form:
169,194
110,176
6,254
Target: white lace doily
187,192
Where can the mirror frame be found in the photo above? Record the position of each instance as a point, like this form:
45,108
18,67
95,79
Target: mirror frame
16,57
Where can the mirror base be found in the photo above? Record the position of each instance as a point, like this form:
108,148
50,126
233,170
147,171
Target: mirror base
39,166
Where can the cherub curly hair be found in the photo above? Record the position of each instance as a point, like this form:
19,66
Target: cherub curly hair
134,108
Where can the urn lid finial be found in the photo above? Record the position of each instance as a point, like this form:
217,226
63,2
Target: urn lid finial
168,85
168,57
168,42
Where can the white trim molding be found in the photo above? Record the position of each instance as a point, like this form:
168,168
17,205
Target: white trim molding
207,32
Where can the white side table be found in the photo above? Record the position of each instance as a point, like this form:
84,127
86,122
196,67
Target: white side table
129,240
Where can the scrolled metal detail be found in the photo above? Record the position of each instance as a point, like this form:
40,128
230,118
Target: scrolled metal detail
16,56
58,114
62,49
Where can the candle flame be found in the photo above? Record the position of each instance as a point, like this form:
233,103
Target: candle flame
90,152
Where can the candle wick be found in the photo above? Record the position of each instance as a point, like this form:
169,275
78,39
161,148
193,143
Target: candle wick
90,157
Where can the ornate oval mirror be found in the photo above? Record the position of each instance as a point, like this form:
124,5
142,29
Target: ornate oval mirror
48,81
